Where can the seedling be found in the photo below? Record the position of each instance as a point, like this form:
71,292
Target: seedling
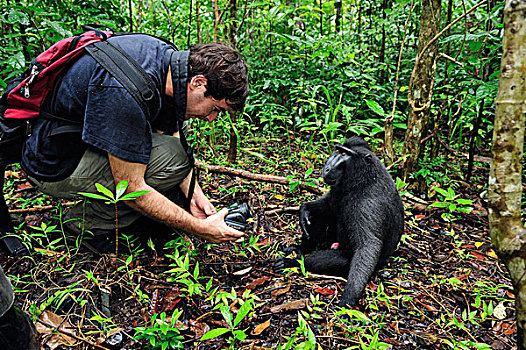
111,198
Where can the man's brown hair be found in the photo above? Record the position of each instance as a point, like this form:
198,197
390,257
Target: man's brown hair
225,70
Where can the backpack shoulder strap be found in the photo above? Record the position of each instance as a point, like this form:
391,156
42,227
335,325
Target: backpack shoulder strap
129,73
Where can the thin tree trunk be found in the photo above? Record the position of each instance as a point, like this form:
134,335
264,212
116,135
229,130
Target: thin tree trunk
422,90
232,151
198,22
381,59
505,185
189,24
216,20
388,127
360,29
442,116
130,9
139,13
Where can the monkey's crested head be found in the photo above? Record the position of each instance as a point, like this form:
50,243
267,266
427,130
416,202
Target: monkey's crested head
350,164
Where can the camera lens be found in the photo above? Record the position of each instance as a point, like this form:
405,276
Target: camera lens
244,209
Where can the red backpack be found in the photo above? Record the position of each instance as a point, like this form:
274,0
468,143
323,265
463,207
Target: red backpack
24,96
25,99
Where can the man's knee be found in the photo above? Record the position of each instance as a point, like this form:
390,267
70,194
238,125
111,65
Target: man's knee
168,165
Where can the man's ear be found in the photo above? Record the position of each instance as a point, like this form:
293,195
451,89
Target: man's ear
197,81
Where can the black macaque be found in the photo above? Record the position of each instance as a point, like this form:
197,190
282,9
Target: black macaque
362,212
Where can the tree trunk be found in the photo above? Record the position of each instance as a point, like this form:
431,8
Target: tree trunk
505,185
441,118
189,24
381,59
216,19
359,29
198,22
388,127
130,10
232,150
422,90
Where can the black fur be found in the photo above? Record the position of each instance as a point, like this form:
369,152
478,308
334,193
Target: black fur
363,212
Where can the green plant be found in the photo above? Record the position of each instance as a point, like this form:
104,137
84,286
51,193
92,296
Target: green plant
163,332
304,337
236,335
111,198
294,183
452,203
181,273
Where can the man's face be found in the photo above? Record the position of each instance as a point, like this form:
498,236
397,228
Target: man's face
199,106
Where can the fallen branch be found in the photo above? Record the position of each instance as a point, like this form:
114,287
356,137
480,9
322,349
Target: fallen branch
283,210
39,208
327,277
257,177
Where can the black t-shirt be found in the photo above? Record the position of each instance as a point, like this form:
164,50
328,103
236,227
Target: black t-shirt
113,121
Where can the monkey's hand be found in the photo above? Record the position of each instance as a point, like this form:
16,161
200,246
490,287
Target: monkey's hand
305,221
283,263
292,249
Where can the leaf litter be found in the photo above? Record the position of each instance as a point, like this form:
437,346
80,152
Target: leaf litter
443,288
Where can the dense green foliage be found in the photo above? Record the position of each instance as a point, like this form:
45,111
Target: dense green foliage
306,76
312,83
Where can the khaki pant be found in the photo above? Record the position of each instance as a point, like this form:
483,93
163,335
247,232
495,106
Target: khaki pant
167,168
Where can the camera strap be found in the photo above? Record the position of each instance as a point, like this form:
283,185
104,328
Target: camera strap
190,154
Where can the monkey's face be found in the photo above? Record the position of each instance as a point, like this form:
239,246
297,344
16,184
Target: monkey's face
335,167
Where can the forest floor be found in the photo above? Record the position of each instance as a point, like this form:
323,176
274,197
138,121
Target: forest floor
443,288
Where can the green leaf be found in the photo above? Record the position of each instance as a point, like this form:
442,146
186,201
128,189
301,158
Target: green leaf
375,107
239,335
214,333
227,315
93,195
243,311
121,188
442,192
259,155
104,191
196,270
439,205
133,195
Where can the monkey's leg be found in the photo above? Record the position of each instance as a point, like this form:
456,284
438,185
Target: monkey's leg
333,262
361,268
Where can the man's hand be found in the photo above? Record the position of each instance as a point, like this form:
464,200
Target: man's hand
200,206
220,231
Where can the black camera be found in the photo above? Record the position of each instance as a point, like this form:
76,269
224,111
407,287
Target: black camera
238,215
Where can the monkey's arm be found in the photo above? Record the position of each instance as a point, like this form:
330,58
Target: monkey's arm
318,224
368,242
362,267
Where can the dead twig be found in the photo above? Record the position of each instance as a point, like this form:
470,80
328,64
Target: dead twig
326,277
40,208
257,177
69,334
283,210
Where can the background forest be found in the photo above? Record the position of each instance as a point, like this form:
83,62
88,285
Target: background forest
319,72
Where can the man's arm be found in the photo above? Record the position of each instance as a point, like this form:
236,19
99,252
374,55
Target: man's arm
160,208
